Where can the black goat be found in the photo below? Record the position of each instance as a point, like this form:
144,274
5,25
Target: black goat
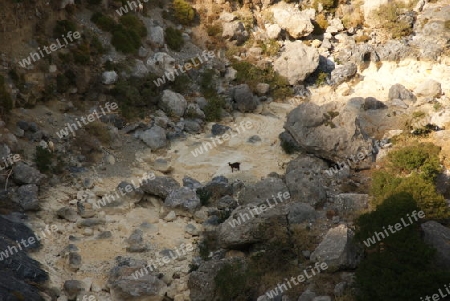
234,165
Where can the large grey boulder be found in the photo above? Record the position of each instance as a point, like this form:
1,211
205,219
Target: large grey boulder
124,286
217,188
183,198
343,73
303,179
109,77
307,296
300,213
429,88
173,104
337,249
155,36
139,70
244,98
24,174
155,137
297,23
297,62
332,131
201,284
347,203
235,30
398,91
438,237
160,186
263,190
27,196
161,63
243,227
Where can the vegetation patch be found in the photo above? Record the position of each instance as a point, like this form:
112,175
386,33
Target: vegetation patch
400,266
184,12
388,15
413,170
6,101
174,38
252,75
62,27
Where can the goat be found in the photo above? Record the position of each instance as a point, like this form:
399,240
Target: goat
234,165
139,9
51,146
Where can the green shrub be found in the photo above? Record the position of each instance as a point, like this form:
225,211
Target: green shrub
184,12
126,41
62,83
204,196
100,130
174,38
400,267
132,23
320,24
252,75
388,15
62,27
94,2
97,45
321,78
420,163
270,47
43,159
423,157
326,4
213,109
81,55
214,30
105,23
181,84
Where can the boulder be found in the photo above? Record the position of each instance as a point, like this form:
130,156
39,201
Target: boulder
273,31
217,188
24,174
243,96
219,129
297,23
124,285
155,137
155,36
398,91
173,103
331,131
160,63
429,88
183,198
109,77
235,31
438,237
27,196
263,190
343,73
243,227
347,203
304,180
300,213
297,62
371,103
160,186
200,285
139,70
337,249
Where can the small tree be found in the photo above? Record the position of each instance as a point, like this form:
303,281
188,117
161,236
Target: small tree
184,12
400,266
